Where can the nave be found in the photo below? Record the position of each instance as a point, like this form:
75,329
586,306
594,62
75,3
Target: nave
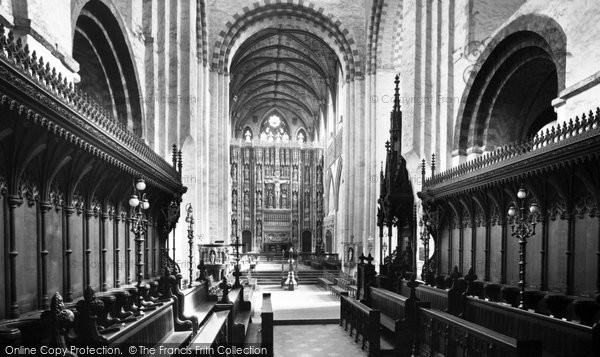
300,177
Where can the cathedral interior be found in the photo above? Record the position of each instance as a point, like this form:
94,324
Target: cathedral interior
300,177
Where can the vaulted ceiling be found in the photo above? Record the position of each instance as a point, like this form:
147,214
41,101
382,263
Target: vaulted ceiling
288,70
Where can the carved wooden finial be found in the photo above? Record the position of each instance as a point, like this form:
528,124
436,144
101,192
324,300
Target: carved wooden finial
225,287
369,259
202,269
174,156
471,276
362,258
397,94
179,162
455,274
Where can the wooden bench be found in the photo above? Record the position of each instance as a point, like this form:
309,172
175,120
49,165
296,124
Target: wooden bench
267,324
326,280
558,337
153,329
340,287
351,284
241,316
462,337
212,335
391,306
362,321
199,302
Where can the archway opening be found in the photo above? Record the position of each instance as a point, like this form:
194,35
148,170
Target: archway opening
510,98
105,65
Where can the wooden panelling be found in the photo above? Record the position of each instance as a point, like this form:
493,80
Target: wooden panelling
495,253
512,259
534,259
94,233
467,245
561,337
3,244
586,246
109,255
27,248
479,263
455,235
443,249
122,252
76,230
54,245
557,262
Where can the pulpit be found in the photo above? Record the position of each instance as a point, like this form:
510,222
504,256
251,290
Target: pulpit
215,257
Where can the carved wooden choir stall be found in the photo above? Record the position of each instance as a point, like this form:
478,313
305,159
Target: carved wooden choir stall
483,292
87,210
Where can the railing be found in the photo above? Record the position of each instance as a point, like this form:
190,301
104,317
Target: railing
266,317
437,297
390,304
362,321
556,335
19,58
448,335
580,128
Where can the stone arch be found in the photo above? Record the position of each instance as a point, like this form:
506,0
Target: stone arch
290,14
383,28
103,49
202,36
514,48
331,191
338,180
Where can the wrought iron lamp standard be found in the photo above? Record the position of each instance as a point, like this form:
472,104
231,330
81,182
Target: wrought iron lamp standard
139,203
236,272
425,239
190,221
522,225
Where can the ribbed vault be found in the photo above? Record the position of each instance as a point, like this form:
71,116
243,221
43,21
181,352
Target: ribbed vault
290,70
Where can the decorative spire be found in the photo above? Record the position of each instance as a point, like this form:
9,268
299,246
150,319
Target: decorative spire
397,94
423,172
175,156
179,162
432,164
396,120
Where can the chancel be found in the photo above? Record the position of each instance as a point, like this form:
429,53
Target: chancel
300,177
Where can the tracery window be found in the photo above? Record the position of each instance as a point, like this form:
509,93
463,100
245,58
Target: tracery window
274,129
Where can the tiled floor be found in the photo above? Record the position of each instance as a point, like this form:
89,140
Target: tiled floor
314,341
306,302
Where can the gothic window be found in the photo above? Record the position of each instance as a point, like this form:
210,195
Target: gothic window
247,135
301,137
274,129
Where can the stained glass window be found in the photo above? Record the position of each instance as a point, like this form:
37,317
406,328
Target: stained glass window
274,129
